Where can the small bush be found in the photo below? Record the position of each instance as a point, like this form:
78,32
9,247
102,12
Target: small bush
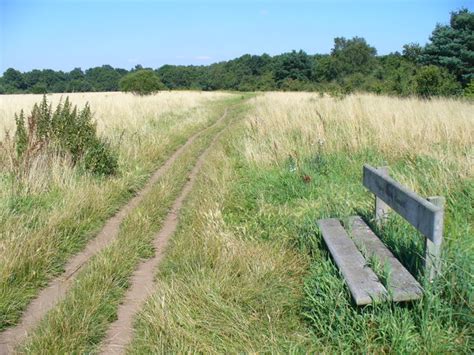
435,81
67,131
99,160
469,90
141,82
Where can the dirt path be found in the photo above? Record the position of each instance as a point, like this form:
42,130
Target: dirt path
120,332
58,287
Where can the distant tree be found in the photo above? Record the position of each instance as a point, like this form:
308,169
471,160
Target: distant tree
79,85
412,52
452,46
39,88
352,56
76,74
435,81
293,66
141,82
14,79
104,78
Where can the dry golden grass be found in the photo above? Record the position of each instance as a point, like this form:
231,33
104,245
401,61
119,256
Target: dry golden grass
111,109
247,270
53,210
137,126
284,123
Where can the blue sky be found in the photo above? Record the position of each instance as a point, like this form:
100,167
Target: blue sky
65,34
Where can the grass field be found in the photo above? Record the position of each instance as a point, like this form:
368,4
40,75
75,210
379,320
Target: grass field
54,211
247,270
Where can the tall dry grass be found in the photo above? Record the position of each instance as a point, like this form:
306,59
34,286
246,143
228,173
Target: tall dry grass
248,271
55,208
136,126
283,123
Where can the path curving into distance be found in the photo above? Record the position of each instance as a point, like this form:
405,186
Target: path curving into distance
57,288
120,332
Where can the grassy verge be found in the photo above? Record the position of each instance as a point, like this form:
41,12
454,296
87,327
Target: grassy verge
247,270
57,210
79,322
222,287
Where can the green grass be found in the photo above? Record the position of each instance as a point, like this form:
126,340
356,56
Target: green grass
79,322
39,231
248,270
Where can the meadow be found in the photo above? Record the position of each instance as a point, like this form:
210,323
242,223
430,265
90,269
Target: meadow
246,270
54,210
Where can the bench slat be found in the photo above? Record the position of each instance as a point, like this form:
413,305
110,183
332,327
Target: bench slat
422,214
361,280
402,286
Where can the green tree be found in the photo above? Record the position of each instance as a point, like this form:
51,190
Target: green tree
104,78
452,46
293,66
141,82
412,52
435,81
352,56
14,79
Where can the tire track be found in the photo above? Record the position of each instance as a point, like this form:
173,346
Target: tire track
57,288
120,332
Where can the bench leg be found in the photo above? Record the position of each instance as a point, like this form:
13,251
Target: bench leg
432,250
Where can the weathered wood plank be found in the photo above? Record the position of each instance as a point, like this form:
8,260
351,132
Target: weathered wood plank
401,285
361,280
433,250
422,214
381,208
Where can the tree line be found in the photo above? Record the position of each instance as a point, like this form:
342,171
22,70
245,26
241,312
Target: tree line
444,66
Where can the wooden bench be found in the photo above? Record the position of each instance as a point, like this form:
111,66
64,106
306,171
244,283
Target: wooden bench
344,243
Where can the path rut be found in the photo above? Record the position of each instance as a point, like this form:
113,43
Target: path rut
120,332
58,287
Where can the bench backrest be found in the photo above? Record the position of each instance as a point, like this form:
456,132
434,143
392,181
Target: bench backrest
422,214
425,215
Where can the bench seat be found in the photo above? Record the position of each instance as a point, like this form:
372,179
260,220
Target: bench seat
361,280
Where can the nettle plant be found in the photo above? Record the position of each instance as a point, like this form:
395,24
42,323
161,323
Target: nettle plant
66,131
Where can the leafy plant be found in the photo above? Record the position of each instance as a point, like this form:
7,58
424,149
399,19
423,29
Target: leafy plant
66,131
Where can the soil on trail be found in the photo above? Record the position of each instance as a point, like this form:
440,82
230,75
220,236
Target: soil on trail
58,287
120,332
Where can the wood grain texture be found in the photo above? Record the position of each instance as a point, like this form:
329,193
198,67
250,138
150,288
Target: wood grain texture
401,285
422,214
363,284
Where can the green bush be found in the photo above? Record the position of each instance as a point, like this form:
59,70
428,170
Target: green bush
435,81
141,82
66,131
469,90
99,160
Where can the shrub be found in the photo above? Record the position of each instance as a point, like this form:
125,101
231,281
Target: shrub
141,82
67,131
435,81
469,90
